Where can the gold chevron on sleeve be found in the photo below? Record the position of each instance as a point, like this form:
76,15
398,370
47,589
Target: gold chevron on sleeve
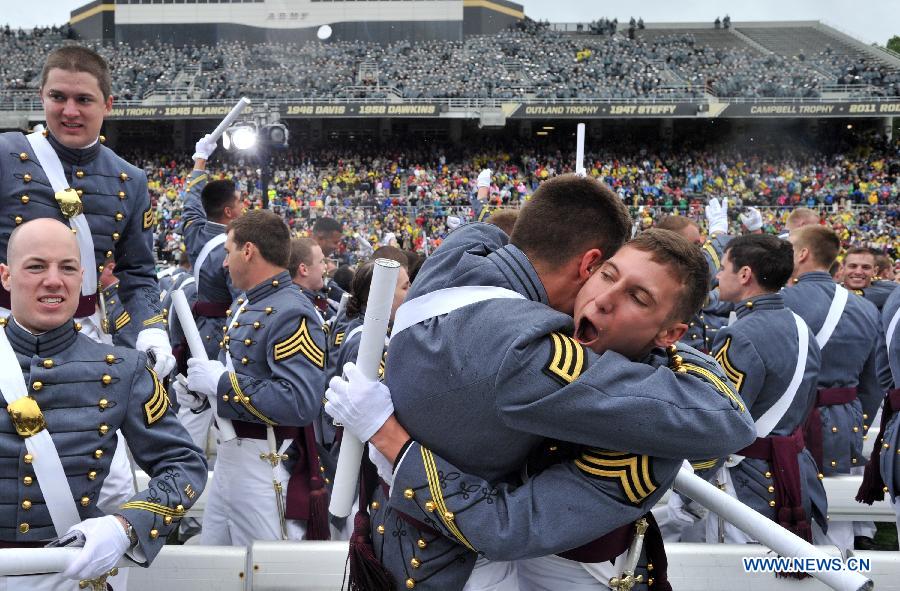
736,376
704,465
155,508
156,406
338,339
630,471
154,320
122,320
300,342
566,358
711,251
239,396
437,496
149,218
721,386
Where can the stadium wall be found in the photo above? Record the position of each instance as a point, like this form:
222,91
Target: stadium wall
256,21
95,20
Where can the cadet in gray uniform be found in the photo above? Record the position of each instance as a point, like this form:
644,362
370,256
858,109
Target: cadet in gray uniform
760,354
269,373
882,474
483,388
307,267
208,208
846,329
700,334
591,489
81,393
75,92
860,275
117,321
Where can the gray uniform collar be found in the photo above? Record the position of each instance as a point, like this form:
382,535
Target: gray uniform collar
815,276
214,228
768,301
49,343
520,273
270,285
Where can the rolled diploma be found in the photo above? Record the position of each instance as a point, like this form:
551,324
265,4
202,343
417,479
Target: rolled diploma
35,561
229,118
371,349
579,150
198,351
766,531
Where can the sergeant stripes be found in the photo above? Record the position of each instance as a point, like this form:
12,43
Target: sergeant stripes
155,408
736,377
300,342
631,471
566,359
122,320
434,486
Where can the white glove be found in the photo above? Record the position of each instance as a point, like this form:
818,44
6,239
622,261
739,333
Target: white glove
186,398
203,375
204,148
156,340
362,406
384,467
752,220
717,216
453,222
105,542
484,178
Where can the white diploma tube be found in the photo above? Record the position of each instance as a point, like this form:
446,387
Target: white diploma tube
766,531
230,118
371,349
36,561
579,151
198,351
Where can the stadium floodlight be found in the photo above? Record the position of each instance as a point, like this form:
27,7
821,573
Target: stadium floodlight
239,137
324,32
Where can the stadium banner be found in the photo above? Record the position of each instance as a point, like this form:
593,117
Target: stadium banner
602,110
823,109
288,111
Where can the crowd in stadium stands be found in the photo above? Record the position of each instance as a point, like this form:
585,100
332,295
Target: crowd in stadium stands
411,193
530,59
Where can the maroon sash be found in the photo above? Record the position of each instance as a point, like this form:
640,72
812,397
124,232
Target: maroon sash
210,309
781,453
813,427
872,487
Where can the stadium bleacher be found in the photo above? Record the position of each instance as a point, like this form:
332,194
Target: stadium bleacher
530,61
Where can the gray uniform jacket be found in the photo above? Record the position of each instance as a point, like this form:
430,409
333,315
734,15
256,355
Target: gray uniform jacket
878,292
87,391
277,347
848,361
890,452
116,205
484,385
215,282
119,324
759,354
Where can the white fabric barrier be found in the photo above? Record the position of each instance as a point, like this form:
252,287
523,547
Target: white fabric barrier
311,566
319,566
194,568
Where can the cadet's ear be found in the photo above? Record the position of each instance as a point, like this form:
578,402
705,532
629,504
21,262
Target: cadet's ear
589,261
670,335
4,276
